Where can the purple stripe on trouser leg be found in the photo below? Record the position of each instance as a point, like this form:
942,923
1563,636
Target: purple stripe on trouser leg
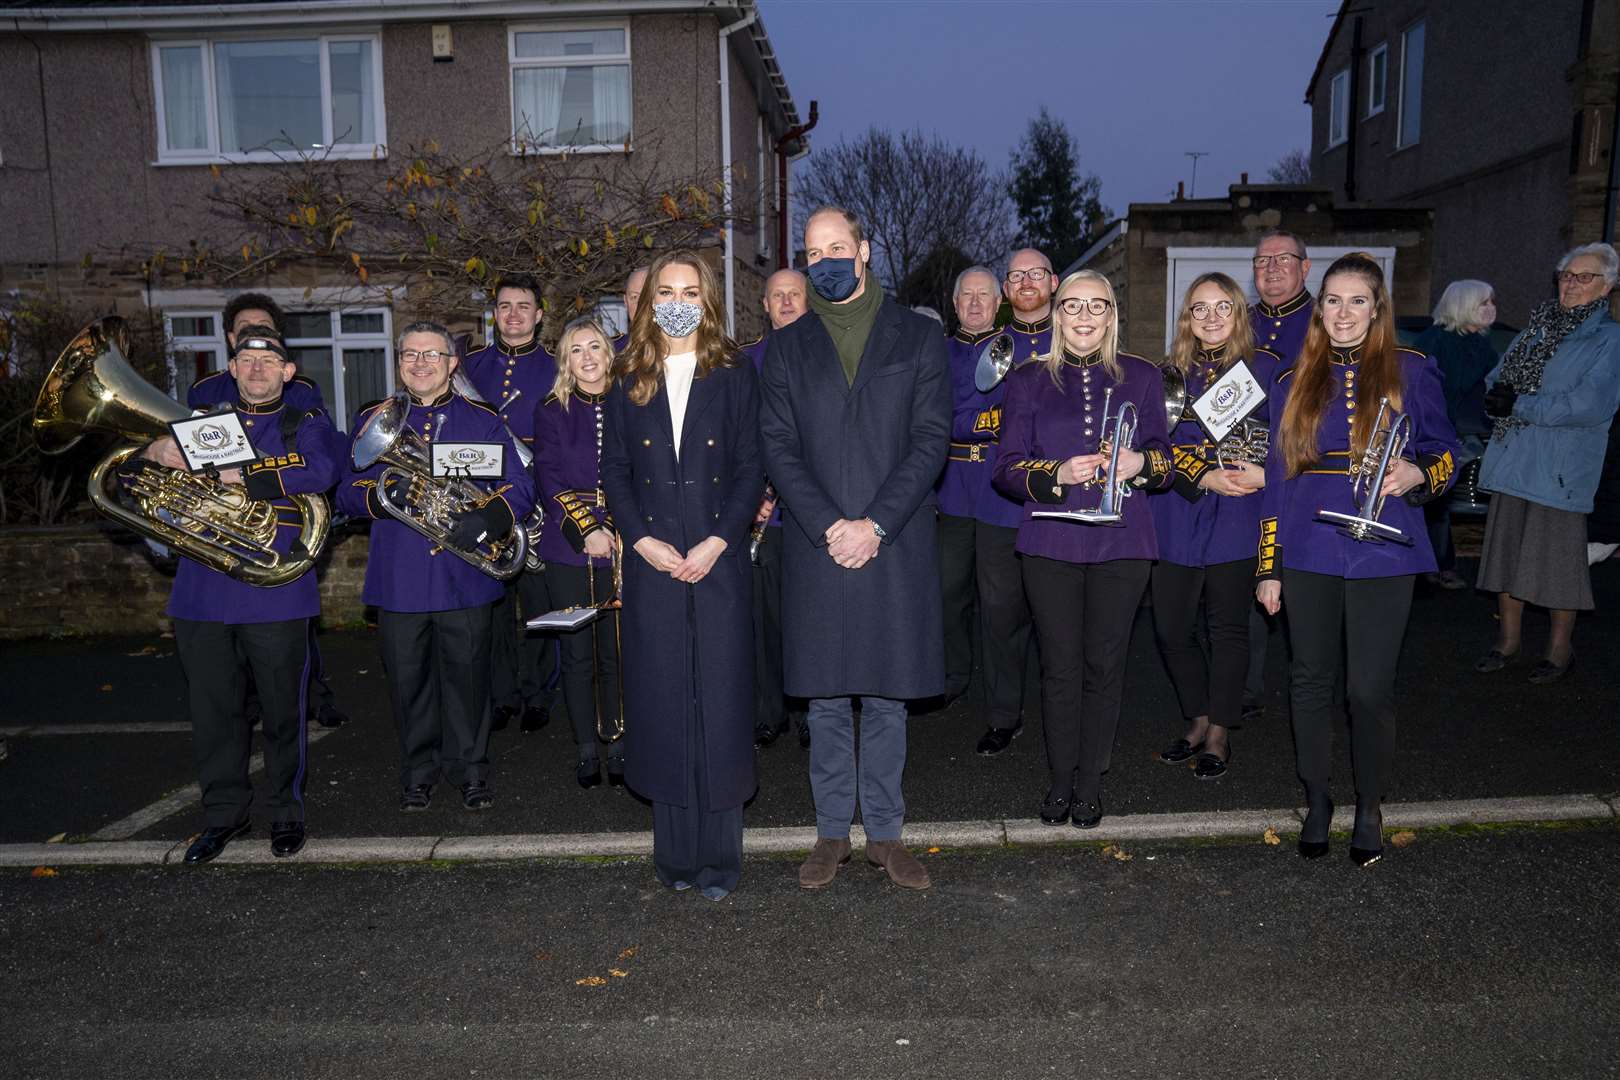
303,717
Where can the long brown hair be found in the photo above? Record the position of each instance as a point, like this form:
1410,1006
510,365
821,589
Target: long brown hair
641,364
1239,346
1380,371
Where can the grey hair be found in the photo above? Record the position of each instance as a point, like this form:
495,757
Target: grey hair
425,327
956,289
1283,234
1604,253
1458,309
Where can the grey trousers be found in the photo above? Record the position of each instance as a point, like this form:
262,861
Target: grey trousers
837,774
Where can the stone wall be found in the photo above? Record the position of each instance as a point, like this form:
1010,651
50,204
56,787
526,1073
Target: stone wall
100,579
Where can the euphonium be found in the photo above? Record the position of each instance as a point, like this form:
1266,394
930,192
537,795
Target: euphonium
531,524
92,388
1390,433
1250,442
431,503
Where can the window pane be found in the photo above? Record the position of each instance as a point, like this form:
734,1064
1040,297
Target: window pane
365,377
1338,107
575,106
1412,85
362,322
189,366
546,43
191,325
269,95
316,363
353,119
185,111
1380,64
309,324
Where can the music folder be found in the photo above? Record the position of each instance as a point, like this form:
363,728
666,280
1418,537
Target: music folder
564,619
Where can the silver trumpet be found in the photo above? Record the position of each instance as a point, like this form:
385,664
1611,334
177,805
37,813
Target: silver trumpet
1119,430
530,524
1390,434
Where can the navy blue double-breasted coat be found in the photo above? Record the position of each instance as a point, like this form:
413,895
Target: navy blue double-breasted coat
871,449
712,489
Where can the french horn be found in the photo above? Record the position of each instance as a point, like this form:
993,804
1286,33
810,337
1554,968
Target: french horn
92,388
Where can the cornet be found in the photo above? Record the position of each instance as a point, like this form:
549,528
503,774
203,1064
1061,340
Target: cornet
1390,435
1118,431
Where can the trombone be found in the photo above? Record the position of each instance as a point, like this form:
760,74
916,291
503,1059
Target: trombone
1390,434
1118,432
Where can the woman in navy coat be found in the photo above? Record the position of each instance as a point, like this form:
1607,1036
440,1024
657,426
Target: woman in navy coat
681,470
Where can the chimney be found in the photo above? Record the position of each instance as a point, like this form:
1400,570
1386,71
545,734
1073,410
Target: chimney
1243,178
1181,190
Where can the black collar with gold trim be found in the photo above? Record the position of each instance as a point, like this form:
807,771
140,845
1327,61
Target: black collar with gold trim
1039,326
1348,357
968,338
1215,356
262,409
442,399
1082,361
589,398
518,350
1287,307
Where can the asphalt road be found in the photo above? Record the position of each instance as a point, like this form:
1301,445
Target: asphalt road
1468,953
1460,736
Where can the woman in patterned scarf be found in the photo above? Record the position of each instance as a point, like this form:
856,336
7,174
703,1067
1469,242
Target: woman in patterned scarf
1551,400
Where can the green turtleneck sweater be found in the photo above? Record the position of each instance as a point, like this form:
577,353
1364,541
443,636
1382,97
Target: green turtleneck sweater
850,323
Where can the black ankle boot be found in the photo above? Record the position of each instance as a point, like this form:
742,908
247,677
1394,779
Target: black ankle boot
1313,837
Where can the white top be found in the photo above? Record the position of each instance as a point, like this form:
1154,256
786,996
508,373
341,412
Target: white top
678,372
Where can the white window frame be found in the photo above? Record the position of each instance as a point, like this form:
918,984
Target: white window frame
212,154
1400,112
1379,53
1338,108
520,146
173,343
767,176
339,342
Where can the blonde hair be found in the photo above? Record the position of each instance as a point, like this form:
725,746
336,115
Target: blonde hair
565,384
1110,346
1459,306
1239,346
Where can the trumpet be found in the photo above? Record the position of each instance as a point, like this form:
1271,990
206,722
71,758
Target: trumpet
1119,429
432,503
1390,434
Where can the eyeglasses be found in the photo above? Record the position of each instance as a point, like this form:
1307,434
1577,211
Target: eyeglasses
1222,308
1565,278
1283,261
1074,305
432,356
1036,275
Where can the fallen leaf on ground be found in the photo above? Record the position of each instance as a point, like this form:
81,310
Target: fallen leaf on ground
1404,838
625,954
44,871
933,851
542,956
591,980
1114,851
617,973
1270,836
58,838
147,650
106,687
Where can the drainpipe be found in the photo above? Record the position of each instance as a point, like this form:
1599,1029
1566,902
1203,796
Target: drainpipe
725,160
784,257
1350,118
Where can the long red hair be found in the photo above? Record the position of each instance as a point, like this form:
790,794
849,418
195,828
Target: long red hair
1313,387
641,364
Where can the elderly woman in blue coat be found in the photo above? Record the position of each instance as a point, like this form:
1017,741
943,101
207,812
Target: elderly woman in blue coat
1551,399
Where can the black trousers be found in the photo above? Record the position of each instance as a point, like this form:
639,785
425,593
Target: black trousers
956,573
1210,685
1005,619
1357,625
217,659
590,657
1083,615
771,705
437,663
523,665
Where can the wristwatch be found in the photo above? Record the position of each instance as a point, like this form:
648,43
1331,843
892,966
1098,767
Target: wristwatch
878,529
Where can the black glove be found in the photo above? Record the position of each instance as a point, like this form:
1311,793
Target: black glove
1499,400
490,522
394,493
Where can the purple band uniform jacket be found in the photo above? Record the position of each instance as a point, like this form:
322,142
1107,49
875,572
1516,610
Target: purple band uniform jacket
205,595
405,570
1281,329
497,371
755,351
1198,527
868,450
1292,536
300,393
567,478
712,488
1043,424
966,489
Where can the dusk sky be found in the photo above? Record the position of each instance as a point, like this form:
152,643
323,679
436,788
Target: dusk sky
1138,82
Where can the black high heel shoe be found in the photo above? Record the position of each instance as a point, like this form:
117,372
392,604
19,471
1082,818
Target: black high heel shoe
1369,825
1317,823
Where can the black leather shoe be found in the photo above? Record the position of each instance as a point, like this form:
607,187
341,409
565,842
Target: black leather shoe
588,772
477,795
501,716
419,797
213,841
995,740
1179,751
286,838
1253,713
1546,671
804,737
1495,661
1087,815
329,716
615,771
1055,807
535,717
765,734
1211,767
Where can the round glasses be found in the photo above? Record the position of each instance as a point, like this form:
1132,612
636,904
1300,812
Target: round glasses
1222,308
1074,305
1036,275
1283,261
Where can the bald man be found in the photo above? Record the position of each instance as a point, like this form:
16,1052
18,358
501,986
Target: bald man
632,300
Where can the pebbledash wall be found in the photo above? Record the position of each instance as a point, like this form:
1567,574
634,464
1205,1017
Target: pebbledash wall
100,579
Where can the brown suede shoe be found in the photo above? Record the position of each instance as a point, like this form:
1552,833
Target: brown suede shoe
822,866
901,866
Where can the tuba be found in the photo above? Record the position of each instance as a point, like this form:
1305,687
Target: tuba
432,503
1119,429
1175,395
92,388
1390,435
461,384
